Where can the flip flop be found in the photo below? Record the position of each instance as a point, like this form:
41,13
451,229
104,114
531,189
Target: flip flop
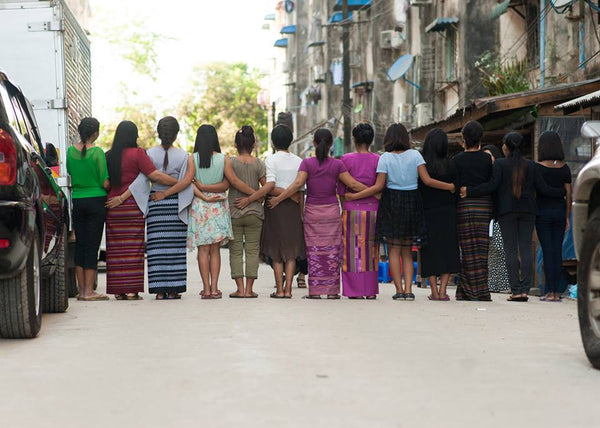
430,297
287,297
333,297
252,296
135,297
96,298
275,296
120,297
371,297
517,299
445,299
175,296
309,296
301,283
236,296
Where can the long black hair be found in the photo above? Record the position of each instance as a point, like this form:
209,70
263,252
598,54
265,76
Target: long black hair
513,141
324,139
207,142
435,152
87,127
126,136
167,130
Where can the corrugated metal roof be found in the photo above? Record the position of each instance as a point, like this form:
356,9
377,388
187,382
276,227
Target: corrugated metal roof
441,24
585,101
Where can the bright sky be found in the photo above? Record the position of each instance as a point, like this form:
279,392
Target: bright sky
203,31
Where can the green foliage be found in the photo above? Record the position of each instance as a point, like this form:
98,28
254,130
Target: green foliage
225,96
137,45
502,78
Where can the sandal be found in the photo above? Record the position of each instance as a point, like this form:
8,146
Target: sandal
120,297
160,296
204,296
301,282
409,296
93,298
513,298
446,298
287,297
399,296
134,297
333,297
430,297
311,296
276,296
356,298
371,297
252,296
217,295
173,296
236,295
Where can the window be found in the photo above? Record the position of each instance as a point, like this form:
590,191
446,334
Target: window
450,55
532,18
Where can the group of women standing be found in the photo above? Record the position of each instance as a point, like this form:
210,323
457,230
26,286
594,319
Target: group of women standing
163,201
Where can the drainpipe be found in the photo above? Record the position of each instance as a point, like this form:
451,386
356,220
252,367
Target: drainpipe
581,44
542,43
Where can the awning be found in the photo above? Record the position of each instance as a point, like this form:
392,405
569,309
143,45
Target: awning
353,4
367,84
582,102
269,17
441,24
317,43
288,29
338,17
281,43
500,9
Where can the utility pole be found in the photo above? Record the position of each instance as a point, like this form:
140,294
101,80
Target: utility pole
346,72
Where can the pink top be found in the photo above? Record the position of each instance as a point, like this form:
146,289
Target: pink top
321,183
133,161
363,168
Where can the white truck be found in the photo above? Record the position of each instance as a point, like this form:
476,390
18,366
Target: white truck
44,49
47,53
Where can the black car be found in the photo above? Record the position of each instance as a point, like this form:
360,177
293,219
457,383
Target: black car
34,220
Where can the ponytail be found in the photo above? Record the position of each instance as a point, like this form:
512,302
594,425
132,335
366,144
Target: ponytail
512,141
167,129
86,128
323,139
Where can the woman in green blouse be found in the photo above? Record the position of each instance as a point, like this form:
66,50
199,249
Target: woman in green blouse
86,164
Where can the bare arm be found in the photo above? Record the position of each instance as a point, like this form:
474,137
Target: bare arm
118,200
436,184
291,189
182,184
369,191
350,182
234,180
213,188
162,178
106,185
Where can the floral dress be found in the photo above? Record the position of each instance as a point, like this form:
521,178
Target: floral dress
209,222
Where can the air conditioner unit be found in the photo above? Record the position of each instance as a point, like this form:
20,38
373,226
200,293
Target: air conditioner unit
319,75
420,2
423,114
404,114
391,39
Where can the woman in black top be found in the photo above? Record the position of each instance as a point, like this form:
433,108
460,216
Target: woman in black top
515,180
497,274
474,167
440,256
553,213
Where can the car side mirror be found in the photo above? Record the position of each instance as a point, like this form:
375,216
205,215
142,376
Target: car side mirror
51,155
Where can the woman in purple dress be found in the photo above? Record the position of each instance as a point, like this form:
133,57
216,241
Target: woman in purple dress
361,252
322,220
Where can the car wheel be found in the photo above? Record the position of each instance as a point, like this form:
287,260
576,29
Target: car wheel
55,292
20,309
588,299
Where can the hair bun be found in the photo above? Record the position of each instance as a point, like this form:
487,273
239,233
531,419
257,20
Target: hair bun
247,130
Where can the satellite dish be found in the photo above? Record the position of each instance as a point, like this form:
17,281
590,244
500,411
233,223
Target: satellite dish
400,67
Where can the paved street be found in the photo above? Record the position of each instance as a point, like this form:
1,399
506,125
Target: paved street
265,362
